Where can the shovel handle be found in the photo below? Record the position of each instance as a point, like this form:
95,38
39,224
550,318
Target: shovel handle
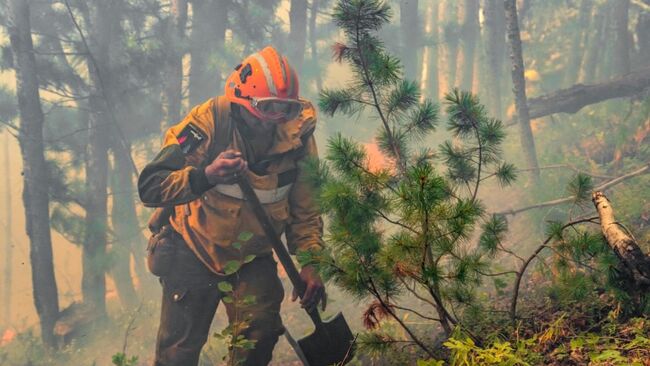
282,253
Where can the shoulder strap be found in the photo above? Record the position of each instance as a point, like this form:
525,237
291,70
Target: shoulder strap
222,126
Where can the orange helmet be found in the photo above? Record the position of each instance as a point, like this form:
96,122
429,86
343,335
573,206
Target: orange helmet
266,85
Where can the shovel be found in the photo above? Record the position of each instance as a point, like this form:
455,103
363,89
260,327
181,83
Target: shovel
331,342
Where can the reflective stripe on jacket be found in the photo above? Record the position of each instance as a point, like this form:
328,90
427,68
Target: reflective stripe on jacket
210,218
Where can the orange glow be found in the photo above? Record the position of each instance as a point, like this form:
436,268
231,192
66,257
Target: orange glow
7,337
376,160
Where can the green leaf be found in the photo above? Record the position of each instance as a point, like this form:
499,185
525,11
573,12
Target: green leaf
249,300
245,236
236,245
231,267
228,299
249,258
224,286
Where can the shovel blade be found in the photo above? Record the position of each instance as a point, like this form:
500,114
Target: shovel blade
330,343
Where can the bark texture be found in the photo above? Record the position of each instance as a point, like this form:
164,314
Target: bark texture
572,99
519,87
634,264
620,240
35,170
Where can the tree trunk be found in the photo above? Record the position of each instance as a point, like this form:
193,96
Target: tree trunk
594,47
643,36
209,22
519,87
572,99
297,33
94,261
410,28
8,250
125,227
313,42
579,42
172,94
429,83
469,33
495,50
621,34
35,170
450,38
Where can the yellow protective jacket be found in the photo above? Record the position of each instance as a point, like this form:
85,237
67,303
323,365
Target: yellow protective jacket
210,218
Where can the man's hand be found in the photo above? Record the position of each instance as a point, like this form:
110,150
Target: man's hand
225,167
314,289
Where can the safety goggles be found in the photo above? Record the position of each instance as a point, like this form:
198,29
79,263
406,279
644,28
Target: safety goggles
275,109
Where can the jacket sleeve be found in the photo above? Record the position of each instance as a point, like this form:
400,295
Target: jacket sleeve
305,229
176,176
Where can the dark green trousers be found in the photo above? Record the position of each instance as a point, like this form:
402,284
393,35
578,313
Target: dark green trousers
190,299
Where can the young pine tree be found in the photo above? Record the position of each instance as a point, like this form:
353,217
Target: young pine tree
405,229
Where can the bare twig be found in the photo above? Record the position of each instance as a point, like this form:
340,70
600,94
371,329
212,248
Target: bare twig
609,184
129,327
522,270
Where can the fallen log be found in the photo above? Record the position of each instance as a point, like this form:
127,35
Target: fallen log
635,263
571,100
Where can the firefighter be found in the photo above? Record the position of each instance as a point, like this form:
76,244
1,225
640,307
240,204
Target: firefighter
261,128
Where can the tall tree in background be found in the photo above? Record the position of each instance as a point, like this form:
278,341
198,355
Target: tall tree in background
297,33
594,48
643,33
450,37
104,19
579,42
172,78
313,41
495,50
622,37
430,59
410,26
469,33
209,23
8,245
35,169
519,87
127,236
